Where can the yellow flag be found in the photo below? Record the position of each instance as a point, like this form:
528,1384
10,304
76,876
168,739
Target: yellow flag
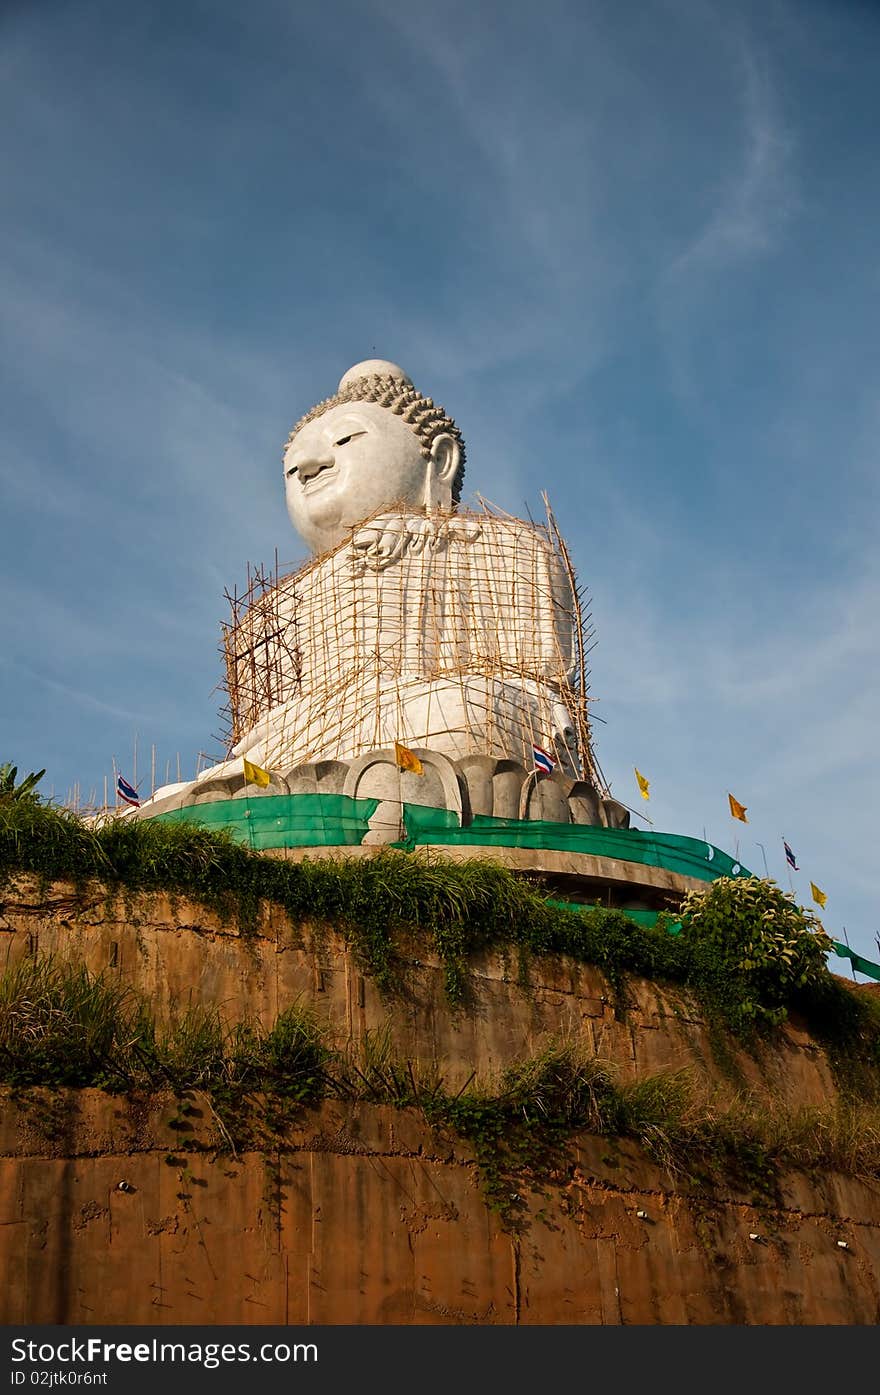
818,896
255,774
407,759
737,810
643,784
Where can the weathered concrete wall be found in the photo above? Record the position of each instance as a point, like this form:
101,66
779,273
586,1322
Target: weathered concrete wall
181,953
362,1214
365,1217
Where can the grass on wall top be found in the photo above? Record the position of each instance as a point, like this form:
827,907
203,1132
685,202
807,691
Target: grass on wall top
462,907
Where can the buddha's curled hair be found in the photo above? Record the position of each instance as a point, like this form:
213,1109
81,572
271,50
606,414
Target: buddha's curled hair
427,420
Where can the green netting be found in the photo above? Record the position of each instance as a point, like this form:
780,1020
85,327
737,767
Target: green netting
690,857
864,966
332,820
644,918
285,820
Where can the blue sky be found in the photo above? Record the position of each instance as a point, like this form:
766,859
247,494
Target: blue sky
633,251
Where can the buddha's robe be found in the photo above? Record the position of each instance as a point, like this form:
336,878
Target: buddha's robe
454,632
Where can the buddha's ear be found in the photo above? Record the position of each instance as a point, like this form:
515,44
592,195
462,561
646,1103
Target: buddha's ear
446,455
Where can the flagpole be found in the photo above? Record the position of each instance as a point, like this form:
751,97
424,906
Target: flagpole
790,882
851,964
764,855
638,813
247,810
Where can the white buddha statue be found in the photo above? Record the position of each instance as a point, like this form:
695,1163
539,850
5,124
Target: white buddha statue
377,444
417,623
451,632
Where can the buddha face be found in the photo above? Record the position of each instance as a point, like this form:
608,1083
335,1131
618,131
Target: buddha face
356,459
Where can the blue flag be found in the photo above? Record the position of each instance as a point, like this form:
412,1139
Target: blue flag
543,761
127,792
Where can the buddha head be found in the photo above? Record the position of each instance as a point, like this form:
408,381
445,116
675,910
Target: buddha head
377,444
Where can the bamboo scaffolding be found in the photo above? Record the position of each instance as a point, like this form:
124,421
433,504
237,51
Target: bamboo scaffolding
480,602
261,658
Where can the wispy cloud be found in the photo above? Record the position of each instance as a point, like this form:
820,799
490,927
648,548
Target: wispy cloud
754,200
75,695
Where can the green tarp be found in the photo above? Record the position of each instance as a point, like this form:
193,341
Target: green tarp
864,966
332,820
284,820
690,857
644,918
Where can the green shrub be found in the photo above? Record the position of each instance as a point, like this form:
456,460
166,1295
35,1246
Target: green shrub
191,1052
755,944
293,1058
522,1127
60,1025
26,789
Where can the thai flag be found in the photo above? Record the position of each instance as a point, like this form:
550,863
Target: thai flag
127,792
542,761
789,856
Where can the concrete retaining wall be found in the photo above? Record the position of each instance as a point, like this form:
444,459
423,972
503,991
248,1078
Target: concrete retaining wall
362,1214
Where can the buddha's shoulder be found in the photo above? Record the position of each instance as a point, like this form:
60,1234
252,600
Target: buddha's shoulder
506,531
392,538
499,525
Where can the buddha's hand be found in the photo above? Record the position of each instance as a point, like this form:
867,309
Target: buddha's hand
380,542
384,539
